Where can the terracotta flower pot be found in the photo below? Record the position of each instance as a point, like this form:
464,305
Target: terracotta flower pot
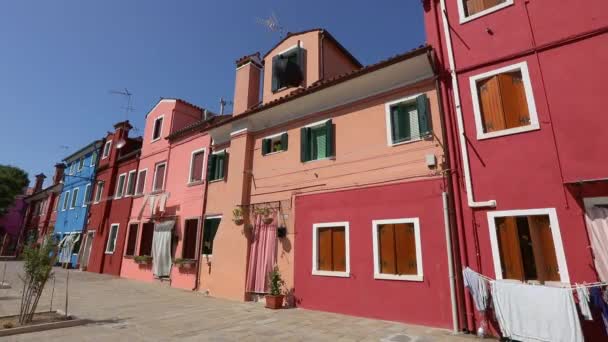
274,302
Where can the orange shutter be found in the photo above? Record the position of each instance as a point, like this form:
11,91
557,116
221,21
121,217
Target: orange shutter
386,244
339,249
544,249
491,105
324,249
514,103
510,253
405,237
475,6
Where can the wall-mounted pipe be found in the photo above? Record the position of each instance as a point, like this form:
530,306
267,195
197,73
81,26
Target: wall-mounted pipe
452,278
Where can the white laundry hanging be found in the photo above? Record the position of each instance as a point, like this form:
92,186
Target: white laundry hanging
161,248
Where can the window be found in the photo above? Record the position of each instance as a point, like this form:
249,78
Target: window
217,166
56,204
93,158
472,9
288,69
131,183
503,102
330,249
111,246
72,168
527,246
159,176
106,149
87,195
141,182
132,241
158,128
120,186
197,161
189,239
80,163
66,200
408,119
99,191
210,227
317,141
397,251
274,144
147,233
74,198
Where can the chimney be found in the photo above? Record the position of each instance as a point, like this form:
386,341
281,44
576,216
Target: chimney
39,181
247,84
59,169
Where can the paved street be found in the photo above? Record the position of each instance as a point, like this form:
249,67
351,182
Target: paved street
125,310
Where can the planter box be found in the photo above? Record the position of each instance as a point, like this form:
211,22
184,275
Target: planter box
274,302
70,322
186,265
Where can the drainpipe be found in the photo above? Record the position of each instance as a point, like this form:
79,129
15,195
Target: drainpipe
448,241
461,135
199,242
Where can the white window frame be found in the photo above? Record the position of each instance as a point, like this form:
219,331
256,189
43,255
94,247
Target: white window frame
108,144
190,181
409,277
143,188
272,137
99,193
534,124
72,168
131,176
315,265
84,200
93,158
317,125
464,18
160,133
66,201
389,126
156,174
107,251
74,199
124,251
81,163
119,194
202,223
555,233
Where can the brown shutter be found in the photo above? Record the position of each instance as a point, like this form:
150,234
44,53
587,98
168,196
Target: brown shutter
544,249
386,242
339,249
405,237
510,253
475,6
514,103
491,105
324,249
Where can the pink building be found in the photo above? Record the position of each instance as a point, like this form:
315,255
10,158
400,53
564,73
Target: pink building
11,224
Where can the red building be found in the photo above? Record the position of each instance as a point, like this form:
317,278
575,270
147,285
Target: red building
110,209
521,84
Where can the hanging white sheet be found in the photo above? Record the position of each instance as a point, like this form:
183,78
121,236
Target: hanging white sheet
597,227
161,249
478,288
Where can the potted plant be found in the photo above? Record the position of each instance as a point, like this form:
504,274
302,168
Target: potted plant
142,259
184,263
266,215
274,300
237,216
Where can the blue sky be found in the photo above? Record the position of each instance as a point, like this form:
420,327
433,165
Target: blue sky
59,59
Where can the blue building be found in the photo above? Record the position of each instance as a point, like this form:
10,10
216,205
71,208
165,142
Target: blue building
72,209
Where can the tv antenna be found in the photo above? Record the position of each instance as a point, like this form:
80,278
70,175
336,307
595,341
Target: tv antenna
272,24
128,108
223,104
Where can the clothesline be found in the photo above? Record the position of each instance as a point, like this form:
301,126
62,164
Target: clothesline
572,287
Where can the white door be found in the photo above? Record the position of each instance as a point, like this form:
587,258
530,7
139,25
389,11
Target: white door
87,250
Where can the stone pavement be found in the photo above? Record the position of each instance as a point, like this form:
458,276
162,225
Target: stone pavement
126,310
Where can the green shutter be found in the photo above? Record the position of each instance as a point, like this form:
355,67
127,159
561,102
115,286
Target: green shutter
329,138
304,144
284,141
275,79
266,146
211,167
220,163
400,122
424,115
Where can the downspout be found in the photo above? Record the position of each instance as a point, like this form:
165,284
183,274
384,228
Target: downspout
461,135
199,242
448,241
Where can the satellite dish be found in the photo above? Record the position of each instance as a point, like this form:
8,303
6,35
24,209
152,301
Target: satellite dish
121,143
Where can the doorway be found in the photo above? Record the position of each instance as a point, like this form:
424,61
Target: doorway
88,243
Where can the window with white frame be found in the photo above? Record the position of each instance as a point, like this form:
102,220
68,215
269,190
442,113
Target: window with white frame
106,149
275,143
99,191
408,119
72,168
210,227
472,9
120,186
503,102
87,195
132,239
159,176
93,158
66,200
131,183
112,237
74,198
216,168
527,245
397,249
80,163
330,246
317,141
197,162
141,182
158,128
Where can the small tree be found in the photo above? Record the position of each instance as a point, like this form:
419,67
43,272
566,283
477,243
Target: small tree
12,182
276,282
38,267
